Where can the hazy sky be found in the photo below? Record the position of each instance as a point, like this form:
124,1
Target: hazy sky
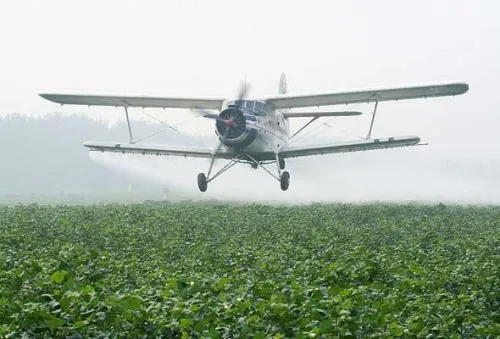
205,48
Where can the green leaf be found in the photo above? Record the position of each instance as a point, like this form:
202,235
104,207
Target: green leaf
396,329
54,322
185,323
87,290
80,323
172,283
131,302
58,276
325,326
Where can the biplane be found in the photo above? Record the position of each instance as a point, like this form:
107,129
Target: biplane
257,131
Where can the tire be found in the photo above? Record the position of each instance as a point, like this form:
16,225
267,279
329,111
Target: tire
202,182
282,164
285,180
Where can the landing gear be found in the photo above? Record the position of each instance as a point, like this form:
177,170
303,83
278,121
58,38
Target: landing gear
203,179
202,182
285,180
282,177
282,163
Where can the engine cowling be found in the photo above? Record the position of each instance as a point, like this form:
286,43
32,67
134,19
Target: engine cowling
232,129
231,123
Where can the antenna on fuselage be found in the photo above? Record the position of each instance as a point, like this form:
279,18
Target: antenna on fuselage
283,89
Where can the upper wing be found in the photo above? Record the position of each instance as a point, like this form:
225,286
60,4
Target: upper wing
319,114
133,101
118,147
353,146
288,101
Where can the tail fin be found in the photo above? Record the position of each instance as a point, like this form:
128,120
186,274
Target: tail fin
283,89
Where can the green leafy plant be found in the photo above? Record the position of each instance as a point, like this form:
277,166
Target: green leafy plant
214,271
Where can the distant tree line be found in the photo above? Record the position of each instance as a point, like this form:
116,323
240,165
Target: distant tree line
46,156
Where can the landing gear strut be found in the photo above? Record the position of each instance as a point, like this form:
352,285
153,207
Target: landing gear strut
282,163
283,177
203,179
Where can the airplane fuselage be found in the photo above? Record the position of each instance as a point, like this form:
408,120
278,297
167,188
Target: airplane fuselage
265,128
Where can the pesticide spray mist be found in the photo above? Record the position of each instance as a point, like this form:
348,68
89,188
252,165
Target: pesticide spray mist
398,175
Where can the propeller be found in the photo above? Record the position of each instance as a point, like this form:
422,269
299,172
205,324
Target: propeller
231,122
242,92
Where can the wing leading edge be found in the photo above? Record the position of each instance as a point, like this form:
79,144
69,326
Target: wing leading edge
352,146
133,101
292,152
117,147
326,99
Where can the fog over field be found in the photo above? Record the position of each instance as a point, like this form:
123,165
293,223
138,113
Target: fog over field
204,49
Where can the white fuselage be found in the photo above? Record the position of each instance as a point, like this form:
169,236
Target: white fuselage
272,129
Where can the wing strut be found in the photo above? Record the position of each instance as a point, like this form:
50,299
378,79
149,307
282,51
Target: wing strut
373,120
128,124
302,128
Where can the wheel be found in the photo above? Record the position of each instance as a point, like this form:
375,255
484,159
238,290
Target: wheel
285,180
202,182
282,164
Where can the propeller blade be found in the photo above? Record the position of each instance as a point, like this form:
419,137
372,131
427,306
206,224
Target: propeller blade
242,91
213,116
209,115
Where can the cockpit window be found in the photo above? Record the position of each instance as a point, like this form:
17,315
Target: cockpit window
259,106
239,103
249,104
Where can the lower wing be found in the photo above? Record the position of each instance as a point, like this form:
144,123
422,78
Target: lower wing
352,146
292,152
117,147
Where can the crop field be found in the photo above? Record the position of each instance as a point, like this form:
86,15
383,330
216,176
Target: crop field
218,271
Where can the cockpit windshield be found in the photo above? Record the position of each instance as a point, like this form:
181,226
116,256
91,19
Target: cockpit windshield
251,105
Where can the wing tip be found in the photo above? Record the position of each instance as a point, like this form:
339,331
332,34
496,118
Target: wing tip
456,88
463,87
49,97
